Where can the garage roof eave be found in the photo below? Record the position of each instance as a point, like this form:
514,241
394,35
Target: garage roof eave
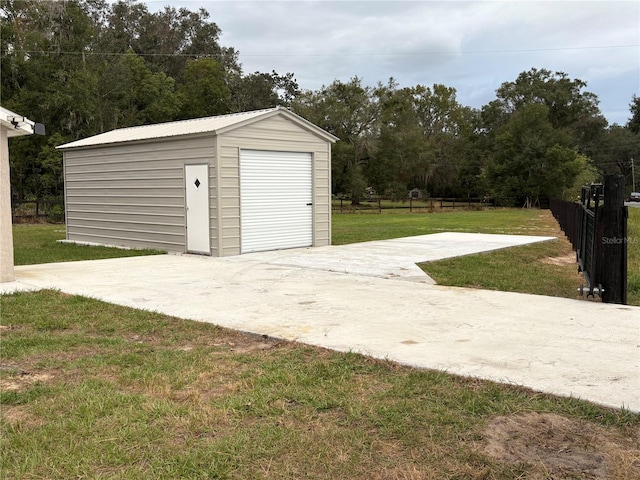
214,125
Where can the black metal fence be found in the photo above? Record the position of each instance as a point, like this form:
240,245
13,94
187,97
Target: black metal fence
50,210
597,229
591,198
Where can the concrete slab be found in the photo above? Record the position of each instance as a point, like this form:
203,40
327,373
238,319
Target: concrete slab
396,258
567,347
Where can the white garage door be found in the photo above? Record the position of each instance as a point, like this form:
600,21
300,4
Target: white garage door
276,208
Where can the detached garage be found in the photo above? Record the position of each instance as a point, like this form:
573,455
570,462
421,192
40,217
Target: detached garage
220,186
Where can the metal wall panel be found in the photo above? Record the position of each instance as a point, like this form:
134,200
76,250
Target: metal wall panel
133,194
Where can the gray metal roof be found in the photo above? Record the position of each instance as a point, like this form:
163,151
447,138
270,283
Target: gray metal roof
219,124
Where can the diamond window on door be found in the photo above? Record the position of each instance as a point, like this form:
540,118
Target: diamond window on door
197,183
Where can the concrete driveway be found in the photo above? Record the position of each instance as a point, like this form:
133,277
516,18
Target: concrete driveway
371,298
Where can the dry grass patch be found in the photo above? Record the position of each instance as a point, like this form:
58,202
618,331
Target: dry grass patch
562,260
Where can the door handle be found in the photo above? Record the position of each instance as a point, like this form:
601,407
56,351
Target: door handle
309,204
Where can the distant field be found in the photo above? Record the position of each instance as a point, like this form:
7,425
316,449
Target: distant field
362,227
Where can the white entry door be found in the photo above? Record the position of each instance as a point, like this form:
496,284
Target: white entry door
197,205
276,200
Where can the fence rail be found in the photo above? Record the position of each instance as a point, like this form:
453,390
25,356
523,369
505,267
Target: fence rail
344,205
34,210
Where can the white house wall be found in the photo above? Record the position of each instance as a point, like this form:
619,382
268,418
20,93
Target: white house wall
132,194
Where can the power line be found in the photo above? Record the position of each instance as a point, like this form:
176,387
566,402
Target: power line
612,147
342,54
462,52
111,54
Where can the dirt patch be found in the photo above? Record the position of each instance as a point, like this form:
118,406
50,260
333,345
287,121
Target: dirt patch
23,380
252,347
568,259
21,416
249,342
7,328
559,447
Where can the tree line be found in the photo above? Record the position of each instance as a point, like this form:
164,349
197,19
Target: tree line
83,67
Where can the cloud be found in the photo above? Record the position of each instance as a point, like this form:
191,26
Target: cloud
471,46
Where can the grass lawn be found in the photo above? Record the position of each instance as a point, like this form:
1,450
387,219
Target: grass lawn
38,243
362,227
93,390
633,257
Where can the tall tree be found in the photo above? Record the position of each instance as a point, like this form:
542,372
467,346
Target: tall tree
349,111
570,108
424,137
126,92
167,39
634,122
82,67
261,90
560,112
202,90
618,150
564,97
45,76
401,148
171,38
447,128
532,158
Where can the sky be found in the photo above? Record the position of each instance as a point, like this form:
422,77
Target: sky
472,46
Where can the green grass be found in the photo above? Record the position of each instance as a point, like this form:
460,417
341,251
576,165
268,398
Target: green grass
93,390
362,227
544,269
527,269
633,257
38,243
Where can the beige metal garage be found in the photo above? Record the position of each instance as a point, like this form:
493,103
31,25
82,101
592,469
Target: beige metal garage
225,185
